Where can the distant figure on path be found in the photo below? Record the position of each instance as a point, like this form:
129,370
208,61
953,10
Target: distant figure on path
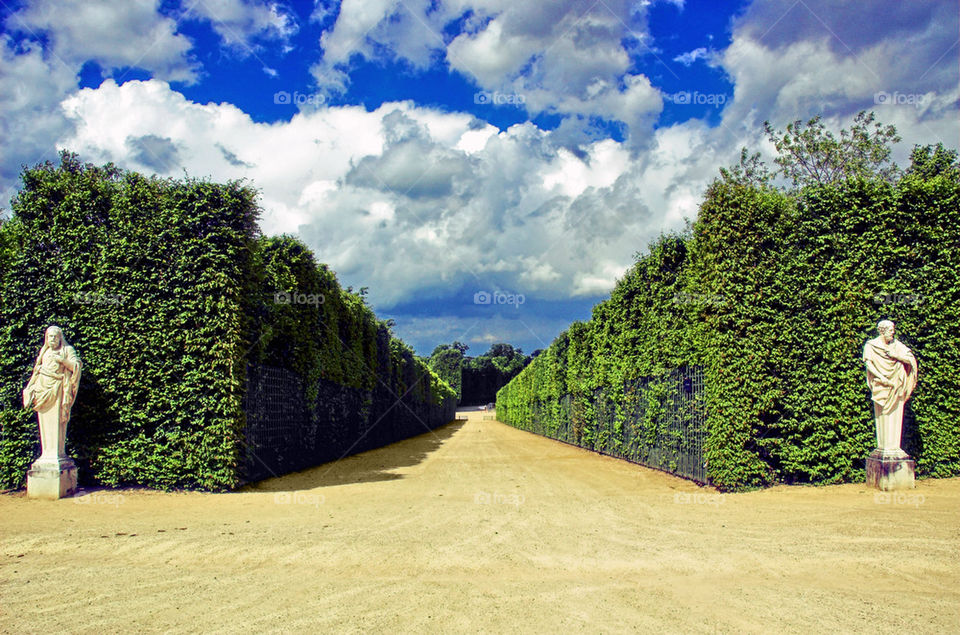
892,376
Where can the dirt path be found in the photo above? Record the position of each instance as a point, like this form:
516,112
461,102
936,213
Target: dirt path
479,527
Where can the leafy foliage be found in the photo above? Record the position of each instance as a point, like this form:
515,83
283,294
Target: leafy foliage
477,379
774,294
811,155
446,361
168,292
927,162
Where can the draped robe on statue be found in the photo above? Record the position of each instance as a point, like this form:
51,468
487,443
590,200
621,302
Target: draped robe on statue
888,400
51,393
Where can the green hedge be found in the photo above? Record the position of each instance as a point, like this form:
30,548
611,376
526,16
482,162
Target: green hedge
774,294
167,291
304,321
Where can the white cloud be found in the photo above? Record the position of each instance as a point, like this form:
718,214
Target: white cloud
31,88
483,329
562,57
414,202
790,62
375,192
409,30
113,34
241,24
688,58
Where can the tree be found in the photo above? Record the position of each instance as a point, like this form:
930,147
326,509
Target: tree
447,362
457,346
750,171
503,350
811,155
929,161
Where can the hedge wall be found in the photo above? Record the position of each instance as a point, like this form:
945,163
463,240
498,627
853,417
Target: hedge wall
361,388
774,294
168,293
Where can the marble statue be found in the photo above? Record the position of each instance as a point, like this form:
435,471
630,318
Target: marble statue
50,393
892,376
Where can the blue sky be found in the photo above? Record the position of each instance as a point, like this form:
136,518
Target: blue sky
437,151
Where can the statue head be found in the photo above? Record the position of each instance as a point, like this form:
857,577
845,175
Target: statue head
53,338
886,329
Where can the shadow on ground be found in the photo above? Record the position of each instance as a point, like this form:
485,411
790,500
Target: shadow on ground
373,465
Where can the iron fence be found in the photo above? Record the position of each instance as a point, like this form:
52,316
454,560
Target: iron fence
655,421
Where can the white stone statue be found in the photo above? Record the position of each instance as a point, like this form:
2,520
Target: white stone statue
892,376
50,393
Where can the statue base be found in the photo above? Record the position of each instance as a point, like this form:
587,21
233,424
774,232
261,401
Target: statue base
51,479
889,471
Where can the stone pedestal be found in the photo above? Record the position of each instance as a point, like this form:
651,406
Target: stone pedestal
890,471
52,478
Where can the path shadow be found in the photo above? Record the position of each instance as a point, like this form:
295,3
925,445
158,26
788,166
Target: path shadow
365,467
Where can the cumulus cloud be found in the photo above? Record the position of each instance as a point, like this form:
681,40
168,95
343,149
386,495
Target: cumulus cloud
375,192
242,24
113,34
408,30
31,88
566,57
852,26
413,201
791,61
156,154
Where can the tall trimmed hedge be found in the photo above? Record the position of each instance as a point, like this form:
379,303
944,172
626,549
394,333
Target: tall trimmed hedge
168,293
774,294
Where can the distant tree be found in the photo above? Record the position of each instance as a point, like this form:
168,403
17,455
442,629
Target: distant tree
750,171
458,346
930,161
485,374
503,350
446,361
809,154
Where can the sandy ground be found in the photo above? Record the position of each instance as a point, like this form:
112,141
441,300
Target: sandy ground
479,527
